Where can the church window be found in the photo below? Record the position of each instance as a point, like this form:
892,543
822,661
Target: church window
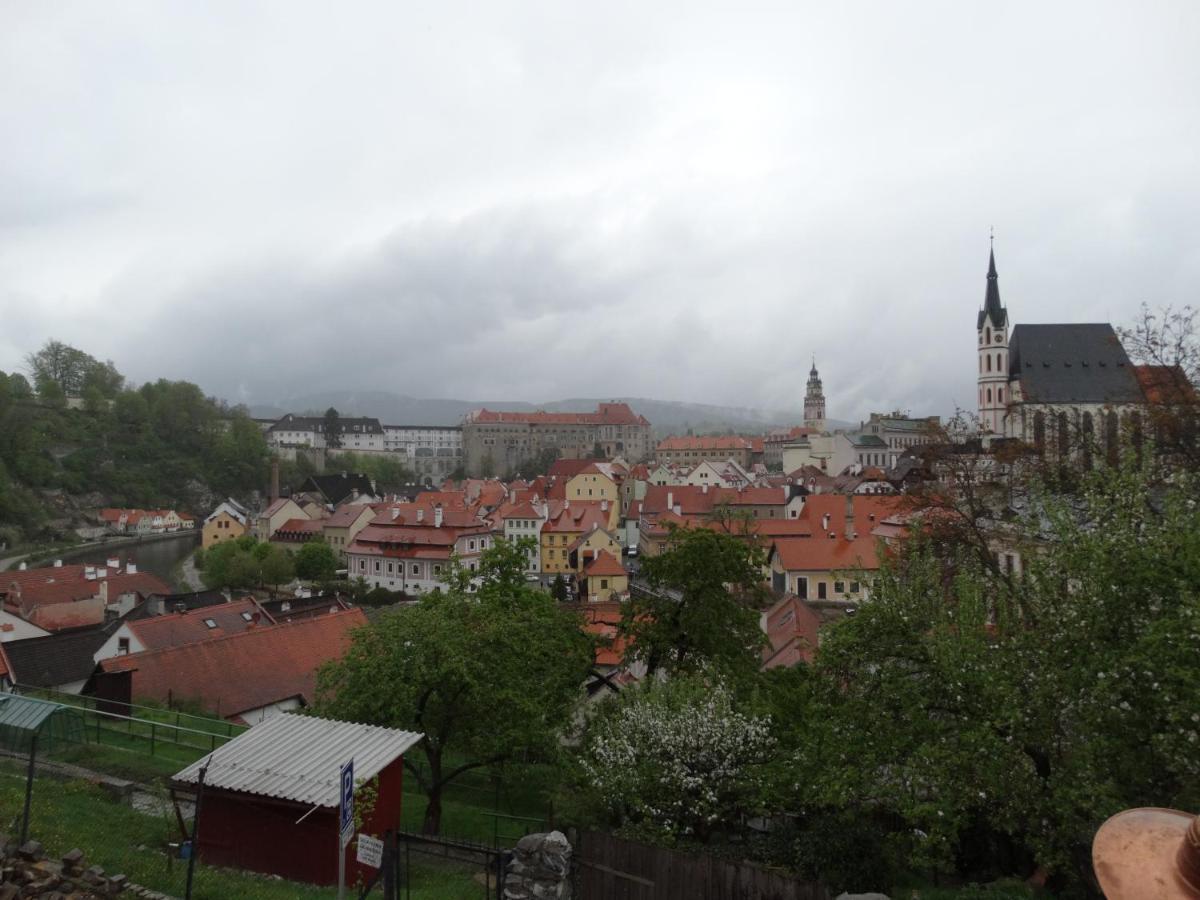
1039,431
989,362
1063,435
989,334
999,395
989,395
999,337
1089,433
1110,437
998,369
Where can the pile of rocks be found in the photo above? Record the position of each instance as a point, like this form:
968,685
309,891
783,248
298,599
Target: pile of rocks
540,868
26,872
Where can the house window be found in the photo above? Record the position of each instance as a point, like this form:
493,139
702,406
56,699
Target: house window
603,583
839,587
802,587
416,569
821,590
376,565
122,646
854,587
470,545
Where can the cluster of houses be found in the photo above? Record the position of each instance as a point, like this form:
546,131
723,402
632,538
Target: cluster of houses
122,636
145,521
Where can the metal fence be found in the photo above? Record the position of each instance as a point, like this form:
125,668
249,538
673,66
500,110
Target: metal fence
606,867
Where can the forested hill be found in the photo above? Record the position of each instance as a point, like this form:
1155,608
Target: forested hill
163,444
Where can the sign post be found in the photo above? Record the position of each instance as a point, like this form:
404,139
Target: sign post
345,821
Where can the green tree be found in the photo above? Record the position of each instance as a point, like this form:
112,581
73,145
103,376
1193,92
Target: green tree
486,675
558,588
316,561
702,607
276,568
986,718
674,760
332,429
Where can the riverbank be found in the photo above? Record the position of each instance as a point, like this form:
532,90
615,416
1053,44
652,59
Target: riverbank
70,552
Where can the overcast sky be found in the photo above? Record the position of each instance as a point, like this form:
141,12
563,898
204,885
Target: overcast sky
543,200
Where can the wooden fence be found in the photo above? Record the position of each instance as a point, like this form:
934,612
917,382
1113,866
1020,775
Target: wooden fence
610,868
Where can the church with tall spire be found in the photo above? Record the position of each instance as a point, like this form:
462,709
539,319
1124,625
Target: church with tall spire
1051,385
814,401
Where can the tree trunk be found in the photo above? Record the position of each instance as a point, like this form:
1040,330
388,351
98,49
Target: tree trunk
433,812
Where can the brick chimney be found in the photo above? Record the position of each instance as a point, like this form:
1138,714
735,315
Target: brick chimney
274,481
437,516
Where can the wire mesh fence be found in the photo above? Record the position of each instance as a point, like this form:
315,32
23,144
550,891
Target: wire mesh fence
99,782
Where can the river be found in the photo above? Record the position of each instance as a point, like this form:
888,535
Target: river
158,557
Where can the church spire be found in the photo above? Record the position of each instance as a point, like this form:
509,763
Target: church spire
992,307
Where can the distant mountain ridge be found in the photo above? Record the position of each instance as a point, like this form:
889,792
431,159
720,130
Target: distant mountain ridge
400,409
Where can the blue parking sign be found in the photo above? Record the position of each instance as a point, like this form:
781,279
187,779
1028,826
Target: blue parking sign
347,804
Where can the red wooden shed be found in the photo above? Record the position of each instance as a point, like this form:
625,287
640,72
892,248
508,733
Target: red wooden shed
271,795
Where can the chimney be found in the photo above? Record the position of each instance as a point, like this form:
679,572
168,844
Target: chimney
825,522
850,517
274,480
130,568
603,506
437,516
285,606
670,499
353,494
23,566
58,564
396,512
114,563
180,608
677,509
704,488
420,515
89,572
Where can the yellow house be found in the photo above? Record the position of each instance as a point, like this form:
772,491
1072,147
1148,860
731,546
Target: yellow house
341,528
282,510
589,546
564,528
604,578
592,485
227,522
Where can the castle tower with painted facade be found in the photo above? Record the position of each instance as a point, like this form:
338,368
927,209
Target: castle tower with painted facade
814,400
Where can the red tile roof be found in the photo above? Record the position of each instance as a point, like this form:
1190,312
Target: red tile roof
705,442
175,629
792,633
604,564
241,672
580,516
568,468
1164,385
605,414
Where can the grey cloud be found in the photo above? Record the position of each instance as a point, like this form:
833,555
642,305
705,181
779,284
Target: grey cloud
673,200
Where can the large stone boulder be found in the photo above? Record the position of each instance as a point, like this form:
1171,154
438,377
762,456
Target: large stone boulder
540,868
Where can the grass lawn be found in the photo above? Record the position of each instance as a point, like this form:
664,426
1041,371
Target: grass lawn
120,839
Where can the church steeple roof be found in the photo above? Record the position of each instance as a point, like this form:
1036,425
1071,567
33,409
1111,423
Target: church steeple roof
992,307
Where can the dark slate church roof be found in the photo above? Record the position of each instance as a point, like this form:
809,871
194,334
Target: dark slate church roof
1072,364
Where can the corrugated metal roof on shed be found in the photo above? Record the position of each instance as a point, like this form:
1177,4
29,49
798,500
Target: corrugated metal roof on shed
25,713
293,757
